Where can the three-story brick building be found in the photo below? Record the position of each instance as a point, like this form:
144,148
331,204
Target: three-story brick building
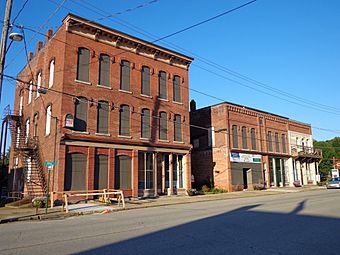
110,109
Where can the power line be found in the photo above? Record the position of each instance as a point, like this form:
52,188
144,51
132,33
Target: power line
322,107
19,12
205,21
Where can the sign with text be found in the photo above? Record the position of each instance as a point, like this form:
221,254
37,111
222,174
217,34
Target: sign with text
244,157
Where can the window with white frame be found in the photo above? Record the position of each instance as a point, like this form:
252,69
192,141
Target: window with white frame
38,84
48,120
51,76
30,92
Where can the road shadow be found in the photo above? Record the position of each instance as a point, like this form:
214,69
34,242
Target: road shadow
246,230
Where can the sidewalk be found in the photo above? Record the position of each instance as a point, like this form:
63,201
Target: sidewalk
23,214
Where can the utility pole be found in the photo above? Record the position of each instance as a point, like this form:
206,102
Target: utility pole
4,36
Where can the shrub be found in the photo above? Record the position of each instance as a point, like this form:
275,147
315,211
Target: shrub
258,186
205,188
218,190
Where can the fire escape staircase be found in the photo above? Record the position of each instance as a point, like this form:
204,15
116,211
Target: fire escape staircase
26,149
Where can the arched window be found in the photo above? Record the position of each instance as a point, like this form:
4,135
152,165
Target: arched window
103,117
48,120
104,70
38,84
124,120
51,76
27,130
21,101
178,128
35,124
145,121
235,136
270,141
80,116
145,80
283,139
244,138
125,75
30,92
163,126
277,143
83,66
162,89
253,138
177,89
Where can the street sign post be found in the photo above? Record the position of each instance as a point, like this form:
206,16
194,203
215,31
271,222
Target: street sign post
50,165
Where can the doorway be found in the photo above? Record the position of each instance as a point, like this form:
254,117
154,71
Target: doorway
246,177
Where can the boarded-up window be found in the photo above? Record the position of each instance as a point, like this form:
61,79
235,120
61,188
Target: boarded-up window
163,126
145,123
283,138
162,85
100,172
270,141
244,138
123,172
178,128
35,125
124,120
80,116
146,80
48,120
75,172
177,89
83,64
277,144
103,117
253,139
104,70
235,136
125,75
51,76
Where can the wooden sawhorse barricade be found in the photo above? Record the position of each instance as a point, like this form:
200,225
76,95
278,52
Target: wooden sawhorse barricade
105,196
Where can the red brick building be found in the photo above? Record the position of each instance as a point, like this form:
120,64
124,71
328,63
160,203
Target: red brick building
237,147
110,109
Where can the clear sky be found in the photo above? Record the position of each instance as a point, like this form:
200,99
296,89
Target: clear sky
280,56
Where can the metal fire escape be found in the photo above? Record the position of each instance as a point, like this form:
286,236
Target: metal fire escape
26,155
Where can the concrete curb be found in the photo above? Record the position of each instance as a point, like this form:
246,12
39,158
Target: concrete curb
157,203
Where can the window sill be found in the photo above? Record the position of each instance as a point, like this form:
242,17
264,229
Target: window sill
102,134
80,132
125,91
83,82
143,95
179,142
145,139
175,102
125,136
163,99
103,86
163,141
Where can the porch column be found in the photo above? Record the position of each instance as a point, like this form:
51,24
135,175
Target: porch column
155,172
171,175
187,171
111,169
274,171
163,172
134,173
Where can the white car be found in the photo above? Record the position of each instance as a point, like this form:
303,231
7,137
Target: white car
334,183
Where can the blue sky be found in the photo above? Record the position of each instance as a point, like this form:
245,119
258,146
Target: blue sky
279,46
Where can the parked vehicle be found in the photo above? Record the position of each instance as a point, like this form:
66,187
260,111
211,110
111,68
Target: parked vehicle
334,183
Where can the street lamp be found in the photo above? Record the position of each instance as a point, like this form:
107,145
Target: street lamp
17,37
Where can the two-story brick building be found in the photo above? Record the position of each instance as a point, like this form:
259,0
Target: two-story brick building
237,147
110,109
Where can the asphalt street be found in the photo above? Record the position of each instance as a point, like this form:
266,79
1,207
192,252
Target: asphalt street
291,223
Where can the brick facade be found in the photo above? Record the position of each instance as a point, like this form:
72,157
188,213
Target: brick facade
63,48
232,147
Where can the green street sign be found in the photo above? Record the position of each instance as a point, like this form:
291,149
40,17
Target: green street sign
50,163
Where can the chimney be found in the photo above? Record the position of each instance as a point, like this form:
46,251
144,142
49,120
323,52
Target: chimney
49,34
192,105
39,46
30,55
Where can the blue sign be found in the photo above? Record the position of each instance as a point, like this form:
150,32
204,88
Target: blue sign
48,163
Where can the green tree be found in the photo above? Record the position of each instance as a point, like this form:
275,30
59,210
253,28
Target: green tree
330,149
